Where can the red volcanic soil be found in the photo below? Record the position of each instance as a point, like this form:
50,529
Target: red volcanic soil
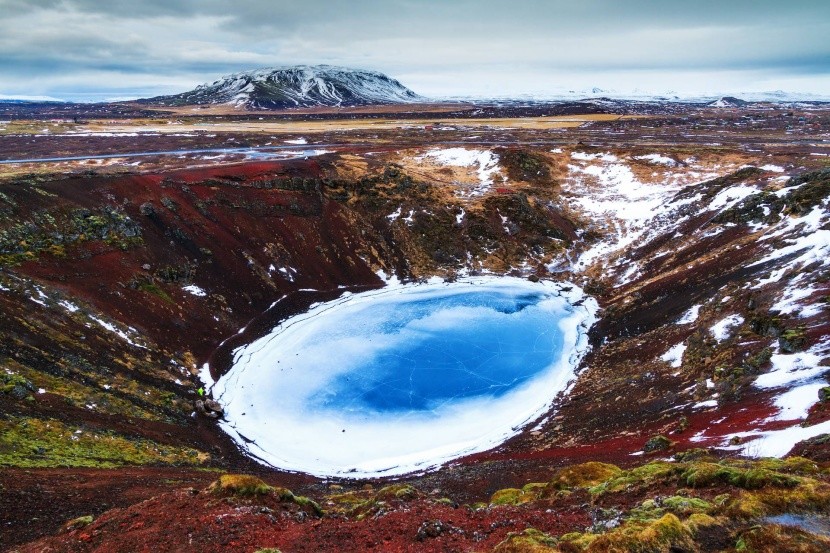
196,520
221,225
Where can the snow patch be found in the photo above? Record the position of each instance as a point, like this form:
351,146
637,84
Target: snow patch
675,355
195,290
721,329
395,215
690,316
794,367
485,162
775,443
69,306
605,188
728,197
658,159
117,331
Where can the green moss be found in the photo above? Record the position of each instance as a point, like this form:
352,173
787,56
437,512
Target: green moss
77,523
51,232
363,503
241,484
530,540
760,359
808,496
695,454
31,442
534,487
780,539
700,475
153,288
83,385
793,340
404,492
245,485
698,521
656,471
583,475
574,542
308,504
652,509
686,506
703,474
657,443
664,534
511,496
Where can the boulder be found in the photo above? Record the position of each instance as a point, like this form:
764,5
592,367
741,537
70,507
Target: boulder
214,406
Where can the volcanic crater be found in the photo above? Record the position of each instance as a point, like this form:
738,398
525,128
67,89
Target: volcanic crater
701,404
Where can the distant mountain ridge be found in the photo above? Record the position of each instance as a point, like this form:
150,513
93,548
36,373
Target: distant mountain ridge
728,102
297,86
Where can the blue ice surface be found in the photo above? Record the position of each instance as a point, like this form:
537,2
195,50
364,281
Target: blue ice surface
470,345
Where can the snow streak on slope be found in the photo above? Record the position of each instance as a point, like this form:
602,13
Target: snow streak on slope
484,162
800,241
624,207
791,229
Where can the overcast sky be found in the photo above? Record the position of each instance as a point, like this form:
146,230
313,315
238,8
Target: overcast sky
95,50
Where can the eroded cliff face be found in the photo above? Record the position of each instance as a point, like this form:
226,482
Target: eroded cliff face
710,266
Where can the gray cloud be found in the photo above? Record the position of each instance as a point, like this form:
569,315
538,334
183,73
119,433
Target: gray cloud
57,47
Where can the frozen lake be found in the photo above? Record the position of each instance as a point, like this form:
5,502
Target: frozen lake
404,378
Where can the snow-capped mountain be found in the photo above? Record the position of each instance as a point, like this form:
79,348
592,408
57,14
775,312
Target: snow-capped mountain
297,86
728,102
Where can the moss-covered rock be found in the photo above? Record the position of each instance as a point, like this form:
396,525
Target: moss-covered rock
638,477
657,443
403,492
583,475
513,496
703,474
793,340
245,485
240,484
780,539
664,534
530,540
77,523
813,189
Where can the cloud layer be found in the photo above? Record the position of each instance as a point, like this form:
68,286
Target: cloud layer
86,49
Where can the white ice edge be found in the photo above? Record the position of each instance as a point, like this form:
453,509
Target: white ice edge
468,426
